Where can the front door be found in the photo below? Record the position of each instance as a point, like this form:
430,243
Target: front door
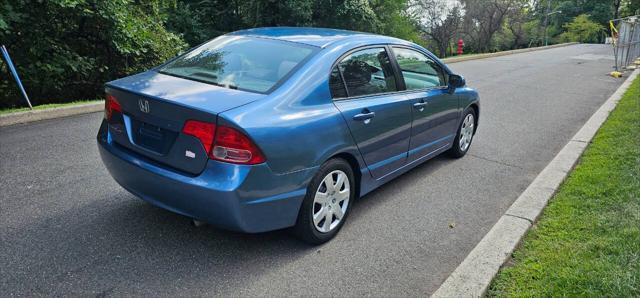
364,90
434,109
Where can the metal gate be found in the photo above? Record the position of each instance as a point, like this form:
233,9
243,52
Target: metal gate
626,40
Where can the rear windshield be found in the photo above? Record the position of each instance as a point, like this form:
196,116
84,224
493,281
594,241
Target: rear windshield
240,62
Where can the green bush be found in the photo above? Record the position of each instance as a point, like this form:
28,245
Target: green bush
582,29
65,50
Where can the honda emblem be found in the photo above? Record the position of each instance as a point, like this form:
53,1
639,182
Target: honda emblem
143,104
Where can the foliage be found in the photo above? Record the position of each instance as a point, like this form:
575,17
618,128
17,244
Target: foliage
582,29
565,11
629,7
600,11
67,49
439,21
394,19
199,20
484,18
520,30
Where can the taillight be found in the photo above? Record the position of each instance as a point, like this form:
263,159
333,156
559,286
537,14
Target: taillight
233,146
224,143
204,131
111,104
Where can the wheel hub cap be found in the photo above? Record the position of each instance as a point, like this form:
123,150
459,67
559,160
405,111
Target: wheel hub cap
466,132
331,201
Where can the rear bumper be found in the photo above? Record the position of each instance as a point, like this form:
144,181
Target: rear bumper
236,197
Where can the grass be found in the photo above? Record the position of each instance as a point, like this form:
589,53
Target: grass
587,242
46,106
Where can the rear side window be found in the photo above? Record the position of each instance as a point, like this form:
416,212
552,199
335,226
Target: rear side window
240,62
364,72
418,70
336,84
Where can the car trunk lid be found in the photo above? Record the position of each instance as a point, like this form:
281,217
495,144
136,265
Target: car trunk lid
155,108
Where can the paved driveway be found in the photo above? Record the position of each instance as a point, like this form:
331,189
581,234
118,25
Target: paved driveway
67,228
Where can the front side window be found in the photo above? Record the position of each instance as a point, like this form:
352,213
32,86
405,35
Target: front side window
418,70
240,62
365,72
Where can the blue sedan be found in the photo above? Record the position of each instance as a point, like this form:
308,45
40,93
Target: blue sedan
274,128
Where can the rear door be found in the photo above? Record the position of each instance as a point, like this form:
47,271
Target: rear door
364,87
434,109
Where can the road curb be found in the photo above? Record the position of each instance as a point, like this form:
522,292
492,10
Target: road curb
37,115
474,275
504,53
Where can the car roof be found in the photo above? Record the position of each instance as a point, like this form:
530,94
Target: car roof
319,37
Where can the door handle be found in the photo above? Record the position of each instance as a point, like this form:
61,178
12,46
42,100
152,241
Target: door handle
364,116
420,105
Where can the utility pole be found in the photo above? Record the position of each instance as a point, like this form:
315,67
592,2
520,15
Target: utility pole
546,20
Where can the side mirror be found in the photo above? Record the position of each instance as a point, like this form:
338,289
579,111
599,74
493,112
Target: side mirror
456,81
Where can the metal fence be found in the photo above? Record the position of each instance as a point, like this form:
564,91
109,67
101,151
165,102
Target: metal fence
626,40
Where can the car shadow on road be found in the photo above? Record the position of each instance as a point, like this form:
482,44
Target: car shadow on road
117,242
105,246
388,190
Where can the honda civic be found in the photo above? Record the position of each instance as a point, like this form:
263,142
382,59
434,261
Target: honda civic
274,128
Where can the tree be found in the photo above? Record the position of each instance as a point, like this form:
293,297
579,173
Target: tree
616,8
582,29
66,50
439,20
345,14
395,20
483,18
200,20
516,31
629,8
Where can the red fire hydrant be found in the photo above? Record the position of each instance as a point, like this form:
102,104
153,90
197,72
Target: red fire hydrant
460,46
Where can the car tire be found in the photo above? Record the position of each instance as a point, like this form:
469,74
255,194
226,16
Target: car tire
464,134
330,205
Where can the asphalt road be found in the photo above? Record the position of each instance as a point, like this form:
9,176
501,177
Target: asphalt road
67,228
